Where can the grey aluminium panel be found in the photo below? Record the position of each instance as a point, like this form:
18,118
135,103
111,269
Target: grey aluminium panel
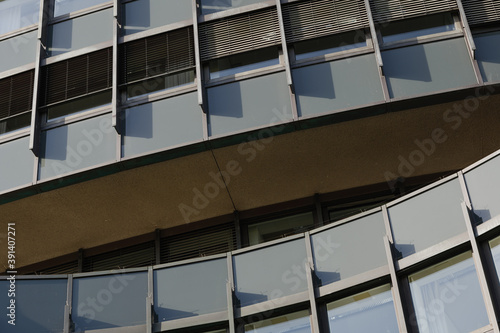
488,55
248,103
161,124
16,164
336,85
77,146
18,51
80,32
142,15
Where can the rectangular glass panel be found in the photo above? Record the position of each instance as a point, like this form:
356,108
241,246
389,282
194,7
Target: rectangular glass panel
85,103
270,273
488,55
15,123
39,306
16,164
109,301
142,15
336,85
483,184
297,322
213,6
160,83
190,290
430,67
428,218
416,27
349,249
495,252
80,32
368,311
17,14
447,297
329,44
76,146
67,6
165,123
278,228
18,51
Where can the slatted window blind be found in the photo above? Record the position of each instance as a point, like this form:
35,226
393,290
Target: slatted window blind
315,18
481,11
140,255
77,76
157,55
391,10
16,94
238,34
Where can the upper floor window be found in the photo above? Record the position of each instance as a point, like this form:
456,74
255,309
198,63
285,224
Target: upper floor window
15,101
329,44
62,7
17,14
214,6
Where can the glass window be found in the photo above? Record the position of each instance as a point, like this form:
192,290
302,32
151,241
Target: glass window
447,297
213,6
495,252
488,55
86,103
329,44
278,228
18,51
297,322
368,311
17,14
110,301
16,164
67,6
161,82
438,210
417,27
15,123
243,62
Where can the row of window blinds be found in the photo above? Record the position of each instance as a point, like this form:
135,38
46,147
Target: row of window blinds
16,94
77,76
140,255
158,55
198,243
391,10
311,19
240,33
67,268
481,11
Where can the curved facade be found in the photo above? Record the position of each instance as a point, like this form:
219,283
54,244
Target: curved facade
260,166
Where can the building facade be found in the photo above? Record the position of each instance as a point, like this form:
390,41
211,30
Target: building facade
250,166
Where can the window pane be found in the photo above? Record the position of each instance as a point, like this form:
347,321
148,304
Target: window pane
278,228
243,62
297,322
39,306
17,14
78,105
18,51
16,164
495,251
213,6
438,210
15,123
341,252
416,27
67,6
329,44
190,290
488,55
430,67
369,311
270,273
109,301
447,297
160,83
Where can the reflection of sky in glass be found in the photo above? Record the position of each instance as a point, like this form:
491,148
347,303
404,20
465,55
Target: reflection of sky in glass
244,68
418,33
447,297
329,50
16,14
68,6
297,322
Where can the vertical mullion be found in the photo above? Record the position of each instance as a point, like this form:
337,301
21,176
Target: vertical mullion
67,307
115,91
150,302
230,293
199,81
309,267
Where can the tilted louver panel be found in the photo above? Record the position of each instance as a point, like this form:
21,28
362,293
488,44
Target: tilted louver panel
157,55
240,33
481,11
391,10
316,18
16,94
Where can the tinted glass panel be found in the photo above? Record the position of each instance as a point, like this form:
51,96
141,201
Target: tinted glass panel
430,67
297,322
416,27
447,297
213,6
488,55
190,290
15,123
161,83
39,306
141,15
109,301
78,105
67,6
16,14
18,51
438,209
495,251
248,103
329,44
341,252
336,85
16,164
369,311
270,273
277,228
